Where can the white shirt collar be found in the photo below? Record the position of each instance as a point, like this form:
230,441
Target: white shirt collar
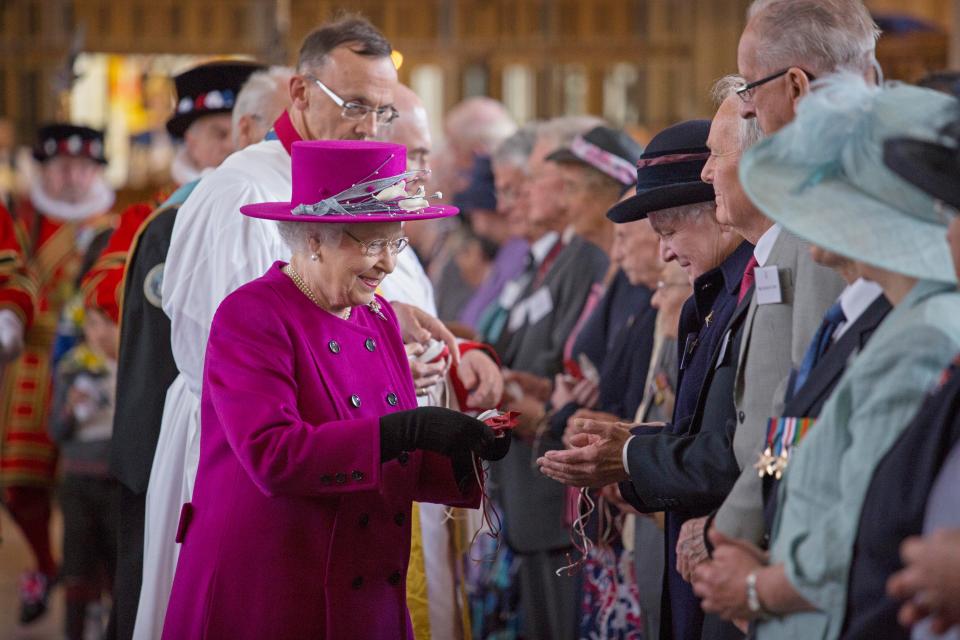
854,300
568,234
765,244
542,246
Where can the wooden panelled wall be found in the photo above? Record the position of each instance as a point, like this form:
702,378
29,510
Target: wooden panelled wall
678,46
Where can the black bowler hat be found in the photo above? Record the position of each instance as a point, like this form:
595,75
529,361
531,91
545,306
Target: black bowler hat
930,166
668,172
206,90
61,139
609,151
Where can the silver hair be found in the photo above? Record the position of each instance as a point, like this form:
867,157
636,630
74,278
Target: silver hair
749,132
258,94
515,150
480,123
297,235
822,36
560,132
689,212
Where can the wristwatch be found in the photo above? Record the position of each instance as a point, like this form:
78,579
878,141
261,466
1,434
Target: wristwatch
753,599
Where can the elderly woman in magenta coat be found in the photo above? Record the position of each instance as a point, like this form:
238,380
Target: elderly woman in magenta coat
312,448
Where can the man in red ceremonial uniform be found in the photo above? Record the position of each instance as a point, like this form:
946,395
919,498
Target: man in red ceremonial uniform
67,206
246,98
206,95
17,292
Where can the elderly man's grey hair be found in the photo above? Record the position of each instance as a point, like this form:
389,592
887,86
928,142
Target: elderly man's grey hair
258,97
822,36
749,132
515,150
297,235
689,212
560,132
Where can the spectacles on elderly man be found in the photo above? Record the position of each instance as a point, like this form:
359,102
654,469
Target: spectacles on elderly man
356,111
746,91
372,248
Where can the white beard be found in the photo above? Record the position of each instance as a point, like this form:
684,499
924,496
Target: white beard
98,200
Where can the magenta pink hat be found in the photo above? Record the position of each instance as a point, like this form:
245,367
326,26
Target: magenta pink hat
350,181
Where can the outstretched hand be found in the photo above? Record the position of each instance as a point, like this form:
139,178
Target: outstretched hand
595,459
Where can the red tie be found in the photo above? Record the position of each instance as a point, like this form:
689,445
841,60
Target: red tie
747,281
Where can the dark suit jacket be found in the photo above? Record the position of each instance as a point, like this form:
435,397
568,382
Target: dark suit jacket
688,468
145,368
533,504
618,339
894,508
809,399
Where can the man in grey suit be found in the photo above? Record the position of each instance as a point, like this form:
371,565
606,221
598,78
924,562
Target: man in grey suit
562,270
785,46
790,295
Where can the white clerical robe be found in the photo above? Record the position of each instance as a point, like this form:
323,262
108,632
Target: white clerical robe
214,250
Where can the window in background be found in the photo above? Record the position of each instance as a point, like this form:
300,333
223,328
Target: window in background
475,80
622,95
519,91
426,81
576,84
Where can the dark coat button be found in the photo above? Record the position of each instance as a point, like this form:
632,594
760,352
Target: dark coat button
370,344
357,475
357,582
741,417
392,399
403,458
341,478
400,518
394,578
326,479
364,519
355,400
334,346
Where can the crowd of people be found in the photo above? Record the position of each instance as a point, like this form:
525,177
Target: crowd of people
545,382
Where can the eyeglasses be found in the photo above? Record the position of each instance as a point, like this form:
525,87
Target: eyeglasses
355,110
746,91
373,248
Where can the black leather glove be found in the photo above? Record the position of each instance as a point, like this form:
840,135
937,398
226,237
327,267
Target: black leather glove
441,430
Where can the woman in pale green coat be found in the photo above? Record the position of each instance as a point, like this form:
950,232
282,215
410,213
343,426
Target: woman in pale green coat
823,178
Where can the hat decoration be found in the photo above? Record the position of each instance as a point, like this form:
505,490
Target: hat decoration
611,164
69,140
351,181
208,89
932,166
373,195
823,176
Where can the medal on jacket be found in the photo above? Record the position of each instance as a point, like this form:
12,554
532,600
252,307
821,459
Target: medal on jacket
783,434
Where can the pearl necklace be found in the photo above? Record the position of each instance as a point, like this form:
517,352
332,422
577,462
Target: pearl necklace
307,291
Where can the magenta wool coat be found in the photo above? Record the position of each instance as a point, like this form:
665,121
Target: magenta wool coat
295,529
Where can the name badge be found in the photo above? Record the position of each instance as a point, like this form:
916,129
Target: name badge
539,305
767,284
